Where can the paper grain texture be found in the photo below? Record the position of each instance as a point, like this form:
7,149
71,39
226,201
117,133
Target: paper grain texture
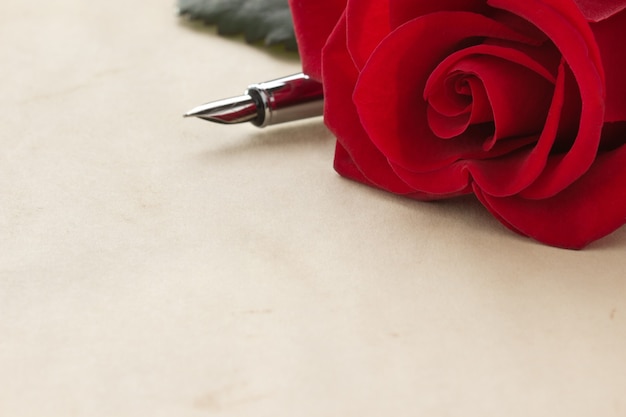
151,265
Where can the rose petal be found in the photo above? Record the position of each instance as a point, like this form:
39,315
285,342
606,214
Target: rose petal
566,27
473,106
609,35
589,209
596,10
363,36
385,94
449,181
509,175
345,165
402,11
559,21
518,96
313,22
542,65
340,115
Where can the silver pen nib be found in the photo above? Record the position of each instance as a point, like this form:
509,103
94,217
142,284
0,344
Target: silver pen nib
228,111
282,100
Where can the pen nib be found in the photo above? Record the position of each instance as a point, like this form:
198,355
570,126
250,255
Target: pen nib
228,111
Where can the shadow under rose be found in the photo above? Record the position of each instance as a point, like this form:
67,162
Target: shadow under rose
615,241
470,213
478,217
311,137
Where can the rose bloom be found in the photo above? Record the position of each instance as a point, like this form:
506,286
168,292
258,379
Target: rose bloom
520,102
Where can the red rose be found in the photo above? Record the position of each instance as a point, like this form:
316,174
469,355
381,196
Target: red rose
522,103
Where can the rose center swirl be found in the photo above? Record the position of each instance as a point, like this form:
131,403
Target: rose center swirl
488,84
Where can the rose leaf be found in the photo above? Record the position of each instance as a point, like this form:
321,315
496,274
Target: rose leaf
258,20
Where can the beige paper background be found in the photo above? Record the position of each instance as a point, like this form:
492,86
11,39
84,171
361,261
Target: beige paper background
151,265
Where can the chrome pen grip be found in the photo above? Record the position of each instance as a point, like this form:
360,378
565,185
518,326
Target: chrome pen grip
286,99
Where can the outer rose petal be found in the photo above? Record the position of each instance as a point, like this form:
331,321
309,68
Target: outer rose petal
589,209
313,22
346,166
401,11
609,35
363,36
596,10
340,115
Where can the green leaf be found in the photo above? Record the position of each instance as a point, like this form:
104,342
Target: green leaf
258,20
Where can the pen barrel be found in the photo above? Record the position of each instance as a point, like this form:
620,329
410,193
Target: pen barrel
287,99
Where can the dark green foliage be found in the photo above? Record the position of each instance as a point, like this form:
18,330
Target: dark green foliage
258,20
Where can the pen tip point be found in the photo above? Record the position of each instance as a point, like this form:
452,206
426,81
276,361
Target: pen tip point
227,111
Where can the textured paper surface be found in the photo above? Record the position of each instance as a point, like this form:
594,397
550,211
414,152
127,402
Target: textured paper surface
152,265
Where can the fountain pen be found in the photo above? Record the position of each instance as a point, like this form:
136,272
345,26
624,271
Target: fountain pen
268,103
